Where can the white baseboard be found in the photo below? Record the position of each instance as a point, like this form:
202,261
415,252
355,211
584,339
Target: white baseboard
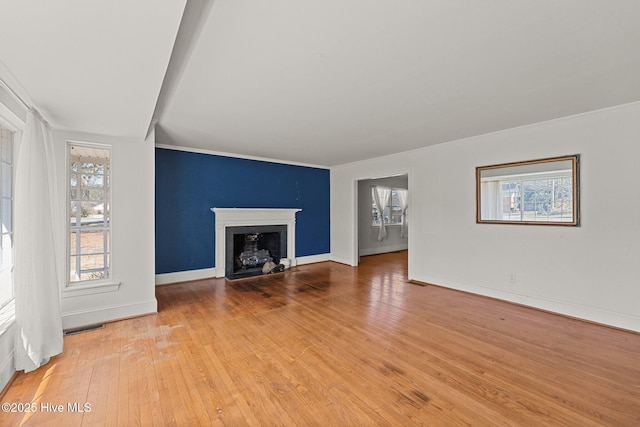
7,362
591,314
310,259
383,249
185,276
343,261
210,273
106,314
7,369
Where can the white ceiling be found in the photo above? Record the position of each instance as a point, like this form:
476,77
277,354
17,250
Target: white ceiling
94,66
321,82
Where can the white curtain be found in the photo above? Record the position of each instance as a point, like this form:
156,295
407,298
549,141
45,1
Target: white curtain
491,202
38,250
382,196
403,196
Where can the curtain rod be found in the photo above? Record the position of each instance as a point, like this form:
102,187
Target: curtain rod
14,94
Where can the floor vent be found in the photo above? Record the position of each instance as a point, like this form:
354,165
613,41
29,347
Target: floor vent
87,328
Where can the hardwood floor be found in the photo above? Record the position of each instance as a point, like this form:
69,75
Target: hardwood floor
331,345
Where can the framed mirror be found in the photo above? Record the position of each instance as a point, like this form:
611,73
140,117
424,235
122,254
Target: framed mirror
534,192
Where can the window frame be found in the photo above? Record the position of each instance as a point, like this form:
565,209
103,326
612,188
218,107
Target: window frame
14,122
87,286
390,207
16,127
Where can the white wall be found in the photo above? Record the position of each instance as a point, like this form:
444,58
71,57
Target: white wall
368,243
132,215
591,272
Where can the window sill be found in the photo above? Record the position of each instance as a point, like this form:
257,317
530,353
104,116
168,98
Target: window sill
89,289
386,225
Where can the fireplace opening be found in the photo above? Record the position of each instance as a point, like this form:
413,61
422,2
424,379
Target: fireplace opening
248,248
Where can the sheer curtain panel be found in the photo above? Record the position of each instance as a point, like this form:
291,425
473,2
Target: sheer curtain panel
382,196
403,196
38,252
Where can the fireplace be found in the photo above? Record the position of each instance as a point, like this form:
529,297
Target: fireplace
231,222
248,248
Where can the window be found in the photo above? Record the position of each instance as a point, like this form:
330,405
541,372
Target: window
534,192
392,213
89,212
7,137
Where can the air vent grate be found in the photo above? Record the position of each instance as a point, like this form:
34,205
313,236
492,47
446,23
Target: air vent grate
87,328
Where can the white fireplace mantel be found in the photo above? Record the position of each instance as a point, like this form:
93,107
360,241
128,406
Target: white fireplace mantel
238,217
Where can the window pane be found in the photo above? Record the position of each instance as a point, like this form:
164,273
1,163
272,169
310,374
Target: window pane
93,168
90,238
92,214
396,210
6,260
92,262
89,267
6,180
92,242
7,220
395,199
94,275
73,242
92,195
92,180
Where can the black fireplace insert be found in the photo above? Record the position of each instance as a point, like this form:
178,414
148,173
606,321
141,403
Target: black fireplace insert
248,248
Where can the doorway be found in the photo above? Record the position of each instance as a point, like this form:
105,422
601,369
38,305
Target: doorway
369,239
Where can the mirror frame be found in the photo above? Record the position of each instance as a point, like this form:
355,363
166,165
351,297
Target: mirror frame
575,164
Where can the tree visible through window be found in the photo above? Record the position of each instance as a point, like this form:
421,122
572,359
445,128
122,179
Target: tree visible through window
89,212
537,199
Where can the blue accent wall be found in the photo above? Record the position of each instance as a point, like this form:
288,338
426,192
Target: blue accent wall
189,184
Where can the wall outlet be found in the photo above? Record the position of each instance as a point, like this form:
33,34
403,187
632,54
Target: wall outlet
512,278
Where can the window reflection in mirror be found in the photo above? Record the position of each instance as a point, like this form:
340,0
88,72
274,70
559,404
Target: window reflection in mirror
538,192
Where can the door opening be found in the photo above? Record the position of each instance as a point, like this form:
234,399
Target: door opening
379,200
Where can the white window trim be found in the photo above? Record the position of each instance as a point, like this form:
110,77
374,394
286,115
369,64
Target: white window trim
9,119
13,122
84,288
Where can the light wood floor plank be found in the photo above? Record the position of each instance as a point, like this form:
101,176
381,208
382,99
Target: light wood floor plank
327,344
